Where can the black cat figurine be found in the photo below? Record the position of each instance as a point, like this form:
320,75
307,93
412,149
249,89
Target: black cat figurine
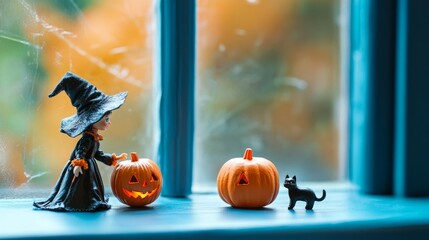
298,194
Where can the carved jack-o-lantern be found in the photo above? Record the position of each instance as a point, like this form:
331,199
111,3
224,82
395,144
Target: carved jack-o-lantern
248,182
136,182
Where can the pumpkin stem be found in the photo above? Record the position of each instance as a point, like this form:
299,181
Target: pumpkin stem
134,157
248,154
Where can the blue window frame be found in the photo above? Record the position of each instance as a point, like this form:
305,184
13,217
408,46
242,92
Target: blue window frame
388,95
388,123
388,116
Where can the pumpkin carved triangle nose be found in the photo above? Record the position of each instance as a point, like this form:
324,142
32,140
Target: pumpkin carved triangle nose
133,180
243,179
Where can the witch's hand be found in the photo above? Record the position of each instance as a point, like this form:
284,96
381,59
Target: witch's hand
123,156
115,158
77,170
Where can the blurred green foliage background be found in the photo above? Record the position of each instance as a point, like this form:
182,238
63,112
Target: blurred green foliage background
268,77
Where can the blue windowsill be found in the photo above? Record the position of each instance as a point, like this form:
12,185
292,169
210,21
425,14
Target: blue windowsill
344,214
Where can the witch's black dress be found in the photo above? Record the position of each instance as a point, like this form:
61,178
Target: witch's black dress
85,192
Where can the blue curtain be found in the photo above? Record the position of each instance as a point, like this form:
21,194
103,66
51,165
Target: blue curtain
389,110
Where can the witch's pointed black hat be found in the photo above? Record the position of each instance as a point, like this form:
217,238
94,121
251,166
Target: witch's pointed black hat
91,104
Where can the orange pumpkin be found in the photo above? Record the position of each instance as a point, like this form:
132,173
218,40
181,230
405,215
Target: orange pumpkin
136,182
248,182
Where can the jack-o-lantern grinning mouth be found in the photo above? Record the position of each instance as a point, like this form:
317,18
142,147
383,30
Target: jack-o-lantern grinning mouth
136,194
136,182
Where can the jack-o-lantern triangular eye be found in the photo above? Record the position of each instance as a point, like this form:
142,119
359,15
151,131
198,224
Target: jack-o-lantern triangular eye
154,178
133,180
242,180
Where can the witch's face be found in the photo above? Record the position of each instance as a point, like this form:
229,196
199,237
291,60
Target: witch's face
103,124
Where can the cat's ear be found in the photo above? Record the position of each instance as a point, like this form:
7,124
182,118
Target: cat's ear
287,176
294,178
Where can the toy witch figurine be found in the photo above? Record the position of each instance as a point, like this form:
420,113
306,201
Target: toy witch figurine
80,187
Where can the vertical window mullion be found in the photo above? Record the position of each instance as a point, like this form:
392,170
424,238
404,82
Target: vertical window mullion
175,70
389,113
412,116
372,95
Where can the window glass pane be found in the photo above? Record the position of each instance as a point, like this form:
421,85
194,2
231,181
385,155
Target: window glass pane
107,42
268,78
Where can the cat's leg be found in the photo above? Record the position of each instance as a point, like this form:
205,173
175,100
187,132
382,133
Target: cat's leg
309,205
292,204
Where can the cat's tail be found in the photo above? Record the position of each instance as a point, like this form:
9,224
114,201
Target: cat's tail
323,196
